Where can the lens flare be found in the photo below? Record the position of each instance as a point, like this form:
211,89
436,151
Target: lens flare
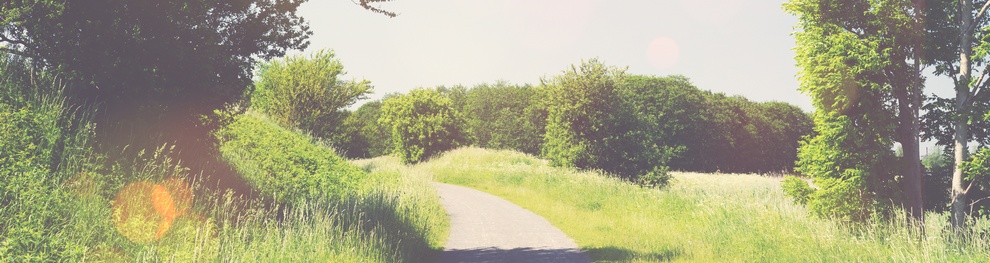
144,212
663,52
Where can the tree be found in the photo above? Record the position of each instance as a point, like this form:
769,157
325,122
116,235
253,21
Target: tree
370,139
860,62
590,126
424,123
496,117
307,93
957,121
155,66
671,113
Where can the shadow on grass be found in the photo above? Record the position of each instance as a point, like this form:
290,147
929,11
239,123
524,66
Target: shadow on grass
611,253
528,254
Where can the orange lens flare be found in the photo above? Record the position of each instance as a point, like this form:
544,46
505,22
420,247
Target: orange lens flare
144,212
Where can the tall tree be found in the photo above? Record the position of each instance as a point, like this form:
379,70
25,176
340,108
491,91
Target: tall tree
860,62
954,122
155,65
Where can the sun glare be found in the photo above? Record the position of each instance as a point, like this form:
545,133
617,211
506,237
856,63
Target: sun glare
144,211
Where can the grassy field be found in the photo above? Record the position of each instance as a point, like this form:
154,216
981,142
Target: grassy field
697,218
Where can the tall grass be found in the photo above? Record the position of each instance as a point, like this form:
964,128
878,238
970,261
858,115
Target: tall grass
698,217
60,200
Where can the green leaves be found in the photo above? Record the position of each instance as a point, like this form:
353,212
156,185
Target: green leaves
424,123
307,92
856,60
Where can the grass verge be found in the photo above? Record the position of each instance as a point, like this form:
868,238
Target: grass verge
698,217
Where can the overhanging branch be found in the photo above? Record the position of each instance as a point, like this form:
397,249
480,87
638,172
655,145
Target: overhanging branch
366,4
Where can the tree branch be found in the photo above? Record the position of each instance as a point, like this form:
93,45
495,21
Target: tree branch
980,85
971,204
978,16
15,52
4,38
969,186
366,4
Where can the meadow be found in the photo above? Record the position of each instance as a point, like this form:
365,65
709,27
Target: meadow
698,217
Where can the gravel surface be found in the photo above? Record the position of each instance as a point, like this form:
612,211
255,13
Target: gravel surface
485,228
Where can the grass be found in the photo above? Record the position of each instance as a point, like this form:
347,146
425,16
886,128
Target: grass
62,201
698,217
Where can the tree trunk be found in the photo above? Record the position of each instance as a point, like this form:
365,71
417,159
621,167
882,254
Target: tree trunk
962,124
910,144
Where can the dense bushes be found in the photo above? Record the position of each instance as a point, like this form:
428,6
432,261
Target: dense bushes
43,142
282,164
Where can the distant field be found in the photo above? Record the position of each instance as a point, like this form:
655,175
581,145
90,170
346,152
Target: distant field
698,218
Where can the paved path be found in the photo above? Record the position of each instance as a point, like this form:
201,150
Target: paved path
485,228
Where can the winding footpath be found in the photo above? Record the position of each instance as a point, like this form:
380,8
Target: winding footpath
485,228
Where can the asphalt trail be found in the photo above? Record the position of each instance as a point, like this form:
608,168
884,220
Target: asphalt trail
485,228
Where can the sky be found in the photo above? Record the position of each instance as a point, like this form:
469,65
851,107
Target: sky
738,47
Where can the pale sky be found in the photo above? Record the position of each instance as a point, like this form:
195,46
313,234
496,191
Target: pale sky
739,47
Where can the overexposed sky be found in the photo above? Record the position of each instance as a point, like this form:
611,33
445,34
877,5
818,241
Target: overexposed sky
733,46
739,47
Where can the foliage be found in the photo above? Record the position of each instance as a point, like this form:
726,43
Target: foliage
424,123
590,126
370,138
155,66
284,165
659,177
938,181
977,170
858,63
43,141
797,189
496,117
708,131
842,152
307,93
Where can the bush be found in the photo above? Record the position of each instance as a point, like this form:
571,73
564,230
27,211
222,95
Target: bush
659,177
844,200
307,92
43,142
424,123
283,164
797,189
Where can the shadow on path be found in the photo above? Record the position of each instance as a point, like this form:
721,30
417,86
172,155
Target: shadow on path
528,254
611,253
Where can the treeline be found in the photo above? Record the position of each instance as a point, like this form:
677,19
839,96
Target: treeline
590,116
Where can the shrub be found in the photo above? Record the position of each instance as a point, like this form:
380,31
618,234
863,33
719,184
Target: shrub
797,188
424,123
283,164
659,177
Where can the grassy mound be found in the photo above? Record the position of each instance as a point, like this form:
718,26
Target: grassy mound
336,211
698,218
